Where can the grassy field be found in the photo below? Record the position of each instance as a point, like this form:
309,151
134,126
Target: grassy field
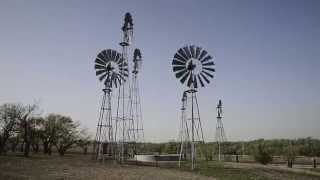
14,167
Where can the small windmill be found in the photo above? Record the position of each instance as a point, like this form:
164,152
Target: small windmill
193,66
220,134
135,96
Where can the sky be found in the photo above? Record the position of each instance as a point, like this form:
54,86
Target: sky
266,54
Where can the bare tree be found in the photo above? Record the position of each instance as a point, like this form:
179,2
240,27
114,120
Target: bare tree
9,115
27,113
84,140
36,129
48,132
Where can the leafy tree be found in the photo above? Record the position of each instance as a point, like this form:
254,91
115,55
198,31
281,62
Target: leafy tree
261,155
290,154
66,134
170,148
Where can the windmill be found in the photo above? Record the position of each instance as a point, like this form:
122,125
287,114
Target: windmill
124,131
220,134
111,70
135,95
193,67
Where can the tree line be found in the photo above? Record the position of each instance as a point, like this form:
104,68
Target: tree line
22,128
277,147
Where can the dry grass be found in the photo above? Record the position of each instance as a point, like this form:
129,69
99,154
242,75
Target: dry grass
77,166
82,167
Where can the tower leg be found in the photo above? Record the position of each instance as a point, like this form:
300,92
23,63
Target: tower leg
192,133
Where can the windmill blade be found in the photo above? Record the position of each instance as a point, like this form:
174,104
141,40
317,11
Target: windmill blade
103,76
200,80
109,52
100,72
206,59
123,64
203,53
99,61
198,52
117,58
97,66
183,54
179,57
124,71
186,49
183,79
124,74
192,50
208,74
179,74
178,68
104,54
120,60
195,83
209,69
119,80
209,64
113,55
122,77
100,56
175,62
204,77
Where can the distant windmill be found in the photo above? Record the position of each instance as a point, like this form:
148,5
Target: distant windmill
136,110
220,133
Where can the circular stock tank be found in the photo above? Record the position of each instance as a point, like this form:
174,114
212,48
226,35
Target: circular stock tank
145,158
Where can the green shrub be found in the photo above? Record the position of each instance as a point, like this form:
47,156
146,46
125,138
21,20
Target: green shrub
261,155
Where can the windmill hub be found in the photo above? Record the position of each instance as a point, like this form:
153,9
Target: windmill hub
112,66
194,65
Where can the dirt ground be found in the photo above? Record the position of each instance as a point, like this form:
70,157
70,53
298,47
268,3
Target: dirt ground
278,171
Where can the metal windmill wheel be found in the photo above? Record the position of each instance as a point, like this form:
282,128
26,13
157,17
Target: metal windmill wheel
193,65
111,68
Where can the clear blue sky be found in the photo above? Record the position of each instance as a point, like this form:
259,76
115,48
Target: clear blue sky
266,54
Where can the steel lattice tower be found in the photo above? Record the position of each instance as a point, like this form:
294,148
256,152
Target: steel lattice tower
191,133
104,135
124,133
220,133
135,94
